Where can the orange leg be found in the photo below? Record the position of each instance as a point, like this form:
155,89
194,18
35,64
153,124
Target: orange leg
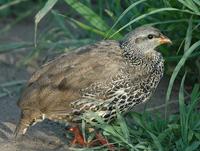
78,137
104,141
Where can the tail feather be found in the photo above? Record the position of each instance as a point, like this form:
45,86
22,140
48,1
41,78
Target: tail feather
21,128
26,120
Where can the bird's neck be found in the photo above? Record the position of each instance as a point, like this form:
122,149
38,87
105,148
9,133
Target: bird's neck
132,54
141,59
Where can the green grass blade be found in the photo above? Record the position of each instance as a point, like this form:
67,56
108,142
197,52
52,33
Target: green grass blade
176,71
195,92
168,22
142,17
188,37
189,5
194,101
151,13
83,130
193,5
13,83
104,126
88,14
47,7
193,147
183,114
155,139
88,28
60,20
197,2
177,58
125,12
11,3
17,20
13,46
124,127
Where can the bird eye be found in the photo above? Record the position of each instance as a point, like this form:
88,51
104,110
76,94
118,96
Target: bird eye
150,36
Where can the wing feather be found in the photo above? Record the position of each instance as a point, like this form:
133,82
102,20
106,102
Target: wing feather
60,81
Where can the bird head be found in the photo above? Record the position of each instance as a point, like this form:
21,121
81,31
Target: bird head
145,38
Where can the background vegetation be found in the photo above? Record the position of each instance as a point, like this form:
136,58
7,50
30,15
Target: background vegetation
72,23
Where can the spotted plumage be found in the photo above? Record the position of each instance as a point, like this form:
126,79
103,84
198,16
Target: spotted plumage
105,77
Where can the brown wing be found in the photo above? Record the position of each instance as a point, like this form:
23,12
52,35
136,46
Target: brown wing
59,82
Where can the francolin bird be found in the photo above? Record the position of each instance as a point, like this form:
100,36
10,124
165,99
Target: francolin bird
106,77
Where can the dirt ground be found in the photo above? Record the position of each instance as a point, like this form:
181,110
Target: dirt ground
46,135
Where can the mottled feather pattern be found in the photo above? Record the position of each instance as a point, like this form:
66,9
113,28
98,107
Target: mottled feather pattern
121,93
106,77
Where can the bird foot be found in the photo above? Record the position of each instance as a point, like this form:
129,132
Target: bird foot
103,141
78,137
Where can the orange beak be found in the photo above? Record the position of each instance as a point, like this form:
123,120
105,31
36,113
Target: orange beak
164,40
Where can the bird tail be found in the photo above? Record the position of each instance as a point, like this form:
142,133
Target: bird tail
19,129
24,123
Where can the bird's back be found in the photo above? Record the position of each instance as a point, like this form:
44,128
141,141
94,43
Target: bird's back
52,89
